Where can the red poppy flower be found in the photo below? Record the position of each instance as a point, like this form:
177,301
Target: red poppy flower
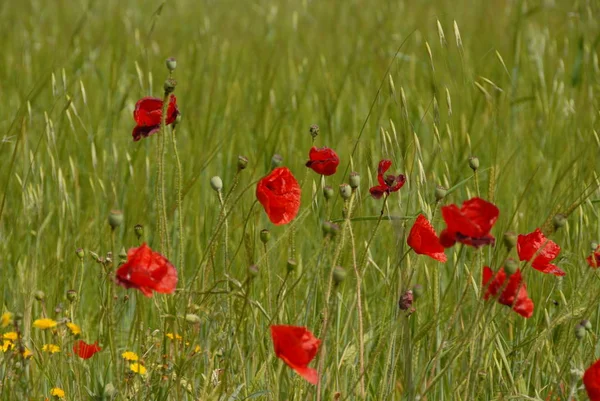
594,259
514,293
591,381
297,347
147,115
388,184
323,160
279,193
84,350
530,244
469,225
147,271
424,241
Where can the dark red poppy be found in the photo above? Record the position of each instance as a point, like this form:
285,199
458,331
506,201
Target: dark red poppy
594,259
469,225
147,115
147,271
514,293
529,246
84,350
297,347
388,184
591,381
323,160
424,241
279,193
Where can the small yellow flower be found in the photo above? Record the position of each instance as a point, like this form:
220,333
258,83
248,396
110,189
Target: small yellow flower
197,349
11,335
174,336
75,329
138,368
44,324
6,319
7,345
57,392
27,353
51,348
130,356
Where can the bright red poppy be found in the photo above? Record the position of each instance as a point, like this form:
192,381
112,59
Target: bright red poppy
424,241
323,161
279,193
297,347
147,115
591,381
469,225
529,246
387,184
513,293
594,259
147,271
84,350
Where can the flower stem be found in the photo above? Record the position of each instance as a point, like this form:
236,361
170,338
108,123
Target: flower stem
178,203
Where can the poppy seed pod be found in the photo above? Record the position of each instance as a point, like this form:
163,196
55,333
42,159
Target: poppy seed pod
314,130
169,86
115,218
510,240
593,246
265,235
216,183
242,162
474,163
345,191
330,228
510,267
328,192
586,324
171,64
72,296
559,221
579,332
339,275
276,161
123,254
80,253
139,231
354,180
39,295
291,265
440,193
192,318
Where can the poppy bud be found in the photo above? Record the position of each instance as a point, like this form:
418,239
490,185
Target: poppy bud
115,218
579,332
265,235
345,191
474,163
276,161
314,131
510,267
328,192
354,180
242,162
169,86
406,300
80,253
291,265
39,295
171,64
192,318
339,274
139,230
72,295
253,271
586,324
95,256
440,193
510,240
418,291
216,183
593,246
559,221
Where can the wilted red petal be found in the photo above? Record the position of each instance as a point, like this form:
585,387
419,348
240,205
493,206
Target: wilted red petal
280,194
528,246
378,191
323,160
84,350
591,381
393,183
594,259
424,241
514,292
384,165
296,346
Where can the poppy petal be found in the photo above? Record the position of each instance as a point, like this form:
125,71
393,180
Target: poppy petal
297,347
378,191
591,381
279,193
424,241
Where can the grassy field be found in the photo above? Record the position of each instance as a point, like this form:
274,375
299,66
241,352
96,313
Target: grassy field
425,84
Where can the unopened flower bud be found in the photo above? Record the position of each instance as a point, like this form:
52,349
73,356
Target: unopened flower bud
586,324
559,221
328,192
265,235
171,64
406,300
169,86
276,161
354,180
139,230
314,130
510,267
593,246
192,318
345,191
440,193
95,256
474,163
253,271
242,162
115,218
216,183
510,240
39,295
80,253
291,265
339,274
72,295
418,291
123,254
579,332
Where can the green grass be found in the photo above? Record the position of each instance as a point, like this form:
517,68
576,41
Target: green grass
425,84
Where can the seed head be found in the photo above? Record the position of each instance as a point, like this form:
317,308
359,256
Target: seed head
510,240
276,161
265,235
216,183
354,180
139,231
115,218
314,130
171,64
345,191
510,267
440,193
80,253
559,221
474,163
339,275
242,162
328,192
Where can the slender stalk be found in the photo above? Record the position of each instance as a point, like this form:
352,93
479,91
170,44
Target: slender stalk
178,202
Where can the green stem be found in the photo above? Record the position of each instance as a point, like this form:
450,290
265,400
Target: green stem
178,203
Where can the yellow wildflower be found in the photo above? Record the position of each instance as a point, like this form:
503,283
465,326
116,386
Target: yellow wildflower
27,353
51,348
174,336
11,335
75,329
138,368
57,392
130,356
44,324
6,319
6,345
197,349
